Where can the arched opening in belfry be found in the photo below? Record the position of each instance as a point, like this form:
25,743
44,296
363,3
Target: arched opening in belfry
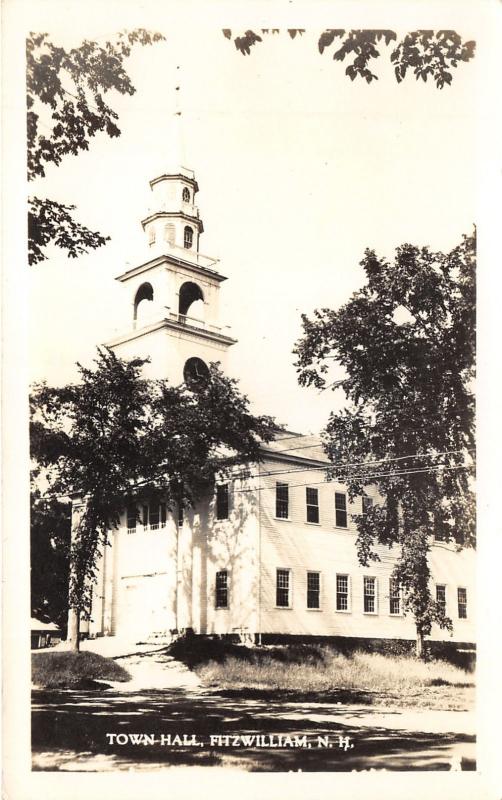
142,301
191,298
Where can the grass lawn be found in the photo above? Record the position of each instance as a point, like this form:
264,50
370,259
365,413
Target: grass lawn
68,669
316,670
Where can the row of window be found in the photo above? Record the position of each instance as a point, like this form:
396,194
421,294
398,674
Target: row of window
170,232
153,516
343,599
312,504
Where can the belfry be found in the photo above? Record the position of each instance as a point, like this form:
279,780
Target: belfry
174,293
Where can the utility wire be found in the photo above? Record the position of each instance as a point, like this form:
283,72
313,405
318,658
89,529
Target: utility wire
361,477
355,463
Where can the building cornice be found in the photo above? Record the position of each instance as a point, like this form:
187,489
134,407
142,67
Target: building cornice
168,259
178,177
167,214
271,455
181,327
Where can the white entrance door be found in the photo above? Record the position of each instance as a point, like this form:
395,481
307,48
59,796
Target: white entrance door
143,606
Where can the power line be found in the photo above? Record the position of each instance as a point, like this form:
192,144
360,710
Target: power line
355,463
361,477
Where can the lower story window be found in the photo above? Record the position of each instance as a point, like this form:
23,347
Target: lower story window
462,602
283,588
313,589
342,592
441,597
394,597
370,604
222,589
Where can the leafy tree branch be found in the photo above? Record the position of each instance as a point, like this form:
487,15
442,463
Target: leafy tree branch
66,107
426,53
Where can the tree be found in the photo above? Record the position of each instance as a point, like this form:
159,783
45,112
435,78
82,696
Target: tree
50,553
115,437
65,109
426,53
406,341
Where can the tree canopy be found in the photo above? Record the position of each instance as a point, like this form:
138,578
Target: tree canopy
406,342
425,53
115,437
66,108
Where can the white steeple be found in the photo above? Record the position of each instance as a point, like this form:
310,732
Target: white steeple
174,294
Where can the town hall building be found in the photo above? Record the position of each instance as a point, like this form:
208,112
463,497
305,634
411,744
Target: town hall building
272,553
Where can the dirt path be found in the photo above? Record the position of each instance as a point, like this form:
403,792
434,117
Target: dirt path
111,730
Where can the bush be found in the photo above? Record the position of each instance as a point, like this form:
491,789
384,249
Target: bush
68,669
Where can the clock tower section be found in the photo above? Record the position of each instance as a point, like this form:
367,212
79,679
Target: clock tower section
174,295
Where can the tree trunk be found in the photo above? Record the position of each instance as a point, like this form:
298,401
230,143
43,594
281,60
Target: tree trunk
420,645
73,637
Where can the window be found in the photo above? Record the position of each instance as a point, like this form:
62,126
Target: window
342,593
312,505
462,602
187,237
282,500
186,195
222,589
154,516
367,504
222,501
144,516
341,509
370,604
163,515
394,597
169,233
180,515
441,597
313,589
131,519
283,588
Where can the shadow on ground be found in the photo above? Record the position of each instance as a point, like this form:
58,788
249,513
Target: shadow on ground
69,733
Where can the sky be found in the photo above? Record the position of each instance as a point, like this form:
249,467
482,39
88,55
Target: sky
299,169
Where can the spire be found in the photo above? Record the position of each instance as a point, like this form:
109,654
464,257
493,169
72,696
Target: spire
175,144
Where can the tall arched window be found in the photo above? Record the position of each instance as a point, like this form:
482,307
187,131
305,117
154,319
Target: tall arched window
186,195
143,295
187,237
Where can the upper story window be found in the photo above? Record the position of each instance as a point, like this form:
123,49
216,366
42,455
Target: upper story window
222,501
281,500
367,504
283,588
462,602
132,514
187,237
313,589
222,589
370,595
340,509
441,597
312,496
394,598
186,195
153,516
